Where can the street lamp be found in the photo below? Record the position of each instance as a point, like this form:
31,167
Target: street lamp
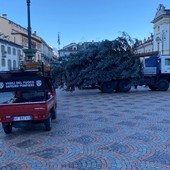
29,24
29,52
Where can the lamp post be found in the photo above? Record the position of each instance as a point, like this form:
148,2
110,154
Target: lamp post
29,52
29,24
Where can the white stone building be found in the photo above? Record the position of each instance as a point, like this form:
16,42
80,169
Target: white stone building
71,48
10,55
160,40
162,31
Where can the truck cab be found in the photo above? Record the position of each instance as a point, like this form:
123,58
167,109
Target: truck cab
156,73
156,65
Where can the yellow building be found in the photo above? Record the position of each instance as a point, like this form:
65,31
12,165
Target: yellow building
17,34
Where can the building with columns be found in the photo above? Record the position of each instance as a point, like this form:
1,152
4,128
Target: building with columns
160,40
162,30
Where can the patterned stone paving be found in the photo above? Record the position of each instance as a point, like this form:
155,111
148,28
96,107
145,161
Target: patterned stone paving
96,131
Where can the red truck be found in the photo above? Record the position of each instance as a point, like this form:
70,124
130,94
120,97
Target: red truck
37,101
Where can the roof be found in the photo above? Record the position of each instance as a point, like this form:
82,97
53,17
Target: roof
161,13
32,36
10,42
25,35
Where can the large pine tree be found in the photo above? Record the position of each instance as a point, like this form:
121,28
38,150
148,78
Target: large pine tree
100,62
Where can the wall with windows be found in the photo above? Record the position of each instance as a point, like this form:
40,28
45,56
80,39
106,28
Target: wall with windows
162,36
10,55
161,23
47,53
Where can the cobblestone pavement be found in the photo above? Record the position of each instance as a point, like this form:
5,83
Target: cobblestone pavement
96,131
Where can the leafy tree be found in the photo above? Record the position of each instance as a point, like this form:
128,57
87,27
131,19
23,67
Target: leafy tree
101,62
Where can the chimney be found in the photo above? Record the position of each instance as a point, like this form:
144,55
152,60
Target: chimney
4,16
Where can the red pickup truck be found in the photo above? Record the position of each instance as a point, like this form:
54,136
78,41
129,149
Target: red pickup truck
36,103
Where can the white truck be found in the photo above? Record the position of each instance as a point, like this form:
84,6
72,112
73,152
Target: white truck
155,74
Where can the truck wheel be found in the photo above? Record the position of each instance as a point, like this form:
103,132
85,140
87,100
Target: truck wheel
154,88
163,85
48,124
54,113
124,86
7,128
108,87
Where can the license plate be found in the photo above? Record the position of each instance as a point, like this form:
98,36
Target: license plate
22,118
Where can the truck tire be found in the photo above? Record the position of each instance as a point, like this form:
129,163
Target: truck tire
124,86
48,124
152,87
108,87
162,85
54,113
7,128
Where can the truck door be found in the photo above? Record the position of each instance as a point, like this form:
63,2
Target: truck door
165,65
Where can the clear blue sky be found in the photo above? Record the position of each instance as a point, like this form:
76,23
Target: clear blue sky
84,20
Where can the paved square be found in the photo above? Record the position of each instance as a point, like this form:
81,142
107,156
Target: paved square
96,131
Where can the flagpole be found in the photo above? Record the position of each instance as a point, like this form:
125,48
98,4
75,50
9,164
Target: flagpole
58,41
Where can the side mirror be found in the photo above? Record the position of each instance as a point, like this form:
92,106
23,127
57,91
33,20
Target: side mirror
49,95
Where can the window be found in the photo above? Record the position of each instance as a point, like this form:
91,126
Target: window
167,62
14,64
158,28
39,57
9,64
158,46
2,48
19,53
14,51
3,62
74,48
39,47
9,50
33,45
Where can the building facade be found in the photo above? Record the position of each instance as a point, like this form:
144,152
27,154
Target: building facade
73,48
47,54
10,55
162,30
160,40
146,45
19,35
